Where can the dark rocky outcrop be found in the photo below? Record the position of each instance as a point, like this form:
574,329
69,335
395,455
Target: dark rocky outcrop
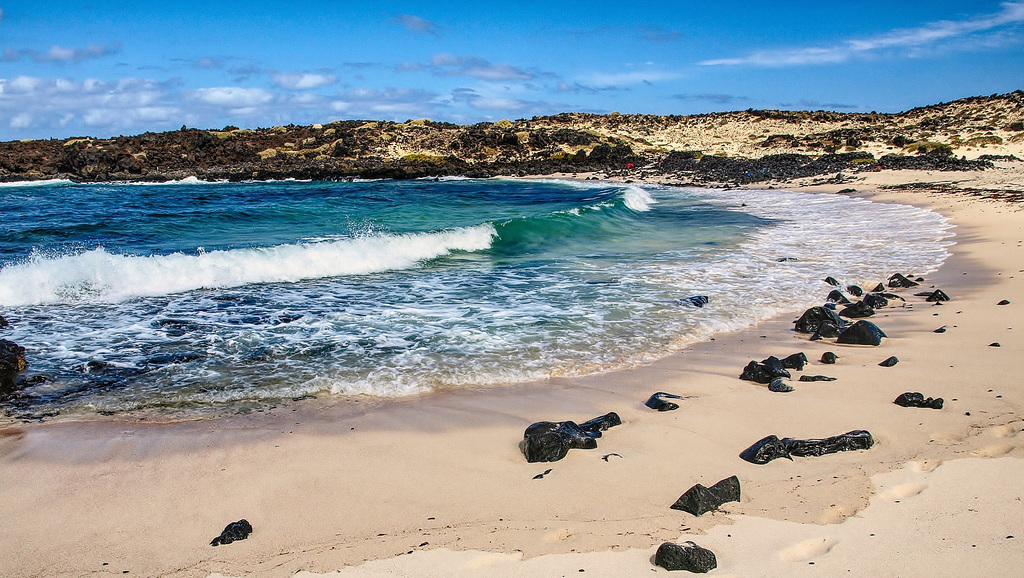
3,322
915,399
686,556
12,356
855,290
233,532
861,333
659,401
699,500
833,282
547,441
12,362
937,296
779,385
816,378
829,358
1003,302
771,447
889,362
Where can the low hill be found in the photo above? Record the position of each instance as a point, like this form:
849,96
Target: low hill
742,146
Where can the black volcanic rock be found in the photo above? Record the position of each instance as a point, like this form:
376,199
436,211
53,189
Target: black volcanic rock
771,447
659,401
915,399
836,296
899,281
814,317
233,532
861,333
699,500
857,310
12,356
686,556
889,362
547,441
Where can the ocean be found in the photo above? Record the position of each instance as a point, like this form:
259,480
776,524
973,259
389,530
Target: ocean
194,297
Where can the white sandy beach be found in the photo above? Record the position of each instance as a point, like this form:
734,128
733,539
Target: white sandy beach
437,486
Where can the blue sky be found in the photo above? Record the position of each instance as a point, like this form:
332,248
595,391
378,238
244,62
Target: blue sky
109,67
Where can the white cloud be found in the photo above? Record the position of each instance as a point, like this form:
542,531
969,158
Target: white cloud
627,78
904,38
303,81
233,96
30,104
389,104
417,24
23,120
471,66
60,54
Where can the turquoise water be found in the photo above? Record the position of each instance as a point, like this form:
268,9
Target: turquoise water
198,295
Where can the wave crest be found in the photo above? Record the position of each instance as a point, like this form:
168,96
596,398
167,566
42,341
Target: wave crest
98,275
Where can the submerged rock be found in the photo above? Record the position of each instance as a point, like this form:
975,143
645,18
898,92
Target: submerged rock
861,333
686,556
855,290
699,500
696,301
547,441
915,399
771,447
658,401
832,281
233,532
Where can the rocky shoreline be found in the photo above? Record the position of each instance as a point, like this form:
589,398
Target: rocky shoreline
733,148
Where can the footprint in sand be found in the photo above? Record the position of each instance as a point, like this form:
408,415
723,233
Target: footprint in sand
558,535
903,491
807,549
993,451
1005,431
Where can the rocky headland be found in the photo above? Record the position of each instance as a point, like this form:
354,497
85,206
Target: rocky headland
742,147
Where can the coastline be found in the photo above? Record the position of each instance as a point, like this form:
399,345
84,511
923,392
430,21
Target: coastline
441,476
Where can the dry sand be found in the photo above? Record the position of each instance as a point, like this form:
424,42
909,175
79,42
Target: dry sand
437,486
